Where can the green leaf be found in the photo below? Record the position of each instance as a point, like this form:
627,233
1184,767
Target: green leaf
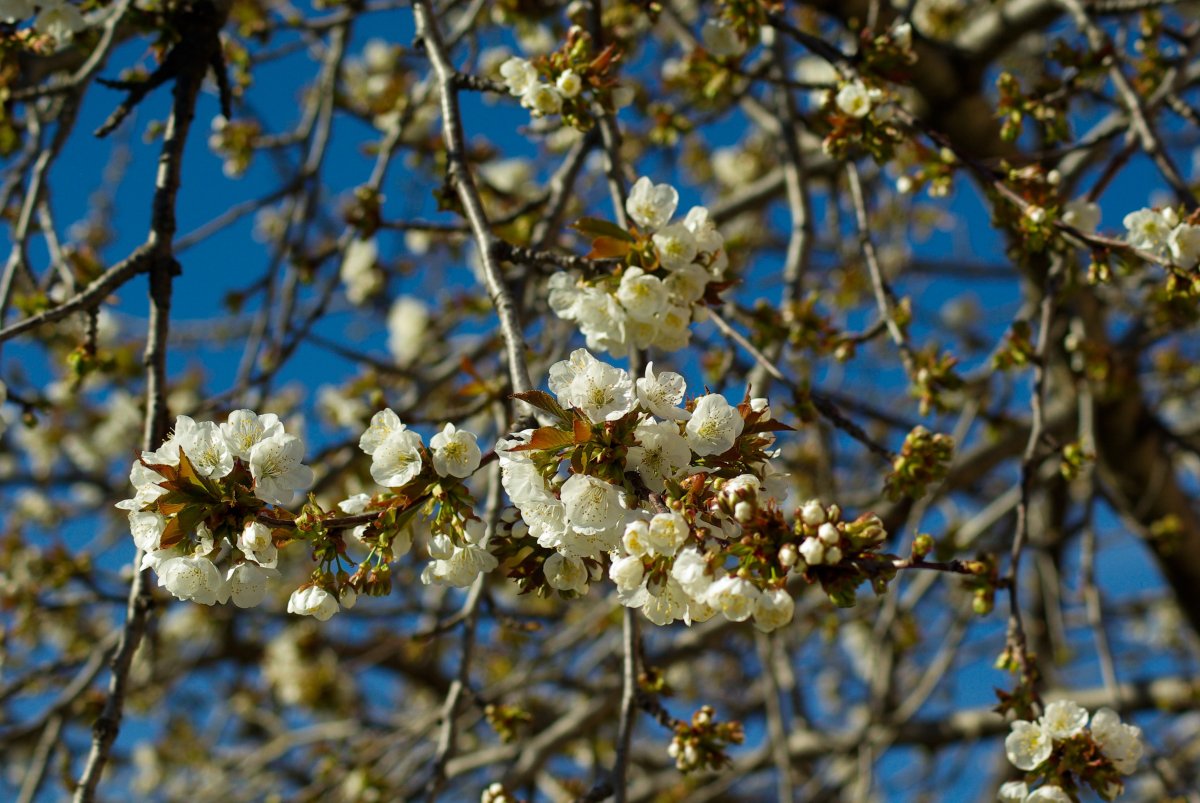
595,227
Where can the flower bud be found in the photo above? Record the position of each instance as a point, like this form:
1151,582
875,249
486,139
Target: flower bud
813,551
813,513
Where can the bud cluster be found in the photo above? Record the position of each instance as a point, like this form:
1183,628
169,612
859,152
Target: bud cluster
701,744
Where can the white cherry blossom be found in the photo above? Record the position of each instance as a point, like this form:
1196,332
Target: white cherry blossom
207,449
147,529
602,320
708,238
569,84
734,597
248,584
455,452
1062,719
542,99
193,578
407,329
381,426
256,544
661,454
642,295
566,573
676,245
855,99
690,570
661,394
651,205
519,75
59,19
461,568
669,604
563,294
686,285
359,272
627,573
397,461
634,537
1082,214
277,470
673,332
1148,229
666,533
245,428
1027,745
592,505
1184,245
773,609
1013,792
601,391
313,601
714,426
1120,742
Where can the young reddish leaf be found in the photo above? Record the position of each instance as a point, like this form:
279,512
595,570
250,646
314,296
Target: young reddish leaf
172,534
545,402
583,430
547,438
608,248
712,293
596,228
202,485
166,472
767,426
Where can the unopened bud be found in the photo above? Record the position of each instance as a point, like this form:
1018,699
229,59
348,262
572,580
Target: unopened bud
813,513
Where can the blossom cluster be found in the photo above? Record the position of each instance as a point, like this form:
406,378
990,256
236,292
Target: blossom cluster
676,503
666,272
1163,234
200,512
196,499
1062,739
413,472
540,97
57,19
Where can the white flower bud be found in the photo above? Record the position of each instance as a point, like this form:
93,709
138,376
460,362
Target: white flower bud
813,513
813,552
